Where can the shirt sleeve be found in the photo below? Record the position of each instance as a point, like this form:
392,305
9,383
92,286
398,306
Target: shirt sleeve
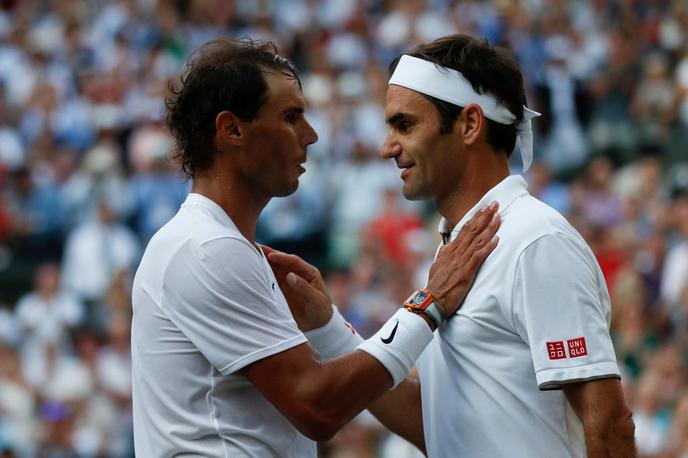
562,311
223,297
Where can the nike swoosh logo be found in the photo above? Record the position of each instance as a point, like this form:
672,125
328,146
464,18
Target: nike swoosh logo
391,336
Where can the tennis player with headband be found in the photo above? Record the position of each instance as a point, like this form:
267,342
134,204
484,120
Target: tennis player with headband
526,367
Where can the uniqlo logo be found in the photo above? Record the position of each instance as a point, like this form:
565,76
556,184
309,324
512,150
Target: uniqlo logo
556,350
577,347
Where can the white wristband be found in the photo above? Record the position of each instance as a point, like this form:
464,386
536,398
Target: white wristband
399,342
334,339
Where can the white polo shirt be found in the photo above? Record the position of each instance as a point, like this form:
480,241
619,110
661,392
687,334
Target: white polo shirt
537,317
206,304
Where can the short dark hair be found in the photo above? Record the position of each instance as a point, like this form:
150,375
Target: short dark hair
489,69
221,75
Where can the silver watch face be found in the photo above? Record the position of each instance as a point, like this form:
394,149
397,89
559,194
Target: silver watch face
418,298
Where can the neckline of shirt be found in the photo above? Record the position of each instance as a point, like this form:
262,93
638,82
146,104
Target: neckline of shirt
505,192
194,198
199,199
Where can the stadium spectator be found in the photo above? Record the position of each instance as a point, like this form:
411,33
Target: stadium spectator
56,56
49,314
96,252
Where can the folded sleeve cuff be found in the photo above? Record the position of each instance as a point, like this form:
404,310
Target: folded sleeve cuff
554,379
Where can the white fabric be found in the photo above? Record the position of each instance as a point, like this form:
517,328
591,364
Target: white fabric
450,85
480,376
446,84
18,405
334,339
94,253
675,274
206,304
399,343
67,379
43,322
113,369
47,319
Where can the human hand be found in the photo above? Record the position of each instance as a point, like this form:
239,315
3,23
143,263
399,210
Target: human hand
303,287
454,270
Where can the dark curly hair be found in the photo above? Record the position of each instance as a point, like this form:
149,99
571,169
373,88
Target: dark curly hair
221,75
489,69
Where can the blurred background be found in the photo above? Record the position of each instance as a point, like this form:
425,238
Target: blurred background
85,181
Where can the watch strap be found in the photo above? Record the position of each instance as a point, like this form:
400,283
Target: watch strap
433,311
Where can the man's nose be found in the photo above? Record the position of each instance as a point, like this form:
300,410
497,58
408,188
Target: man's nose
310,136
390,148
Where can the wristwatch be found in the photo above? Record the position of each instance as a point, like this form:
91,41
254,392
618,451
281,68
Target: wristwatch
422,302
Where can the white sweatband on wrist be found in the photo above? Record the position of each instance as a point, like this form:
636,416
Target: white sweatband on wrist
451,86
399,343
334,339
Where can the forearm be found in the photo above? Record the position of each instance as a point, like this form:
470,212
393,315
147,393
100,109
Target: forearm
400,411
614,440
320,397
341,388
341,394
356,379
607,420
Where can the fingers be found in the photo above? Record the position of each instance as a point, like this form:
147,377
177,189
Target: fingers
276,257
292,279
480,254
267,250
310,306
486,234
475,228
300,286
457,265
283,265
291,263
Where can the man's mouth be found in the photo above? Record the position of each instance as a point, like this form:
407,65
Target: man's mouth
405,170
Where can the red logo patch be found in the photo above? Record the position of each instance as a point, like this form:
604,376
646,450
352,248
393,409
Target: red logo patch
556,350
577,347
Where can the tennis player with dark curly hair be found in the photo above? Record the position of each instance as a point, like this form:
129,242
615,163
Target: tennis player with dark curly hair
220,367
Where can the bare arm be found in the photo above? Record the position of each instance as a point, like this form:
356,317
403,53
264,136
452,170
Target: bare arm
607,422
319,398
400,410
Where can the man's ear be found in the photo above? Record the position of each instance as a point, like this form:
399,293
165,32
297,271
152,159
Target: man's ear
229,129
473,123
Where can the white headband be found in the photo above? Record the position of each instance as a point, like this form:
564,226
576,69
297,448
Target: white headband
451,86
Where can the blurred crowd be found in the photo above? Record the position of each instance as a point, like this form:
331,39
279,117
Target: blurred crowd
85,180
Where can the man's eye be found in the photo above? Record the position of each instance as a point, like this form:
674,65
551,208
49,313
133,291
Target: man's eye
403,126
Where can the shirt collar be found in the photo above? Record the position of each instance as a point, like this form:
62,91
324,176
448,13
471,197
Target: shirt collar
506,192
201,200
